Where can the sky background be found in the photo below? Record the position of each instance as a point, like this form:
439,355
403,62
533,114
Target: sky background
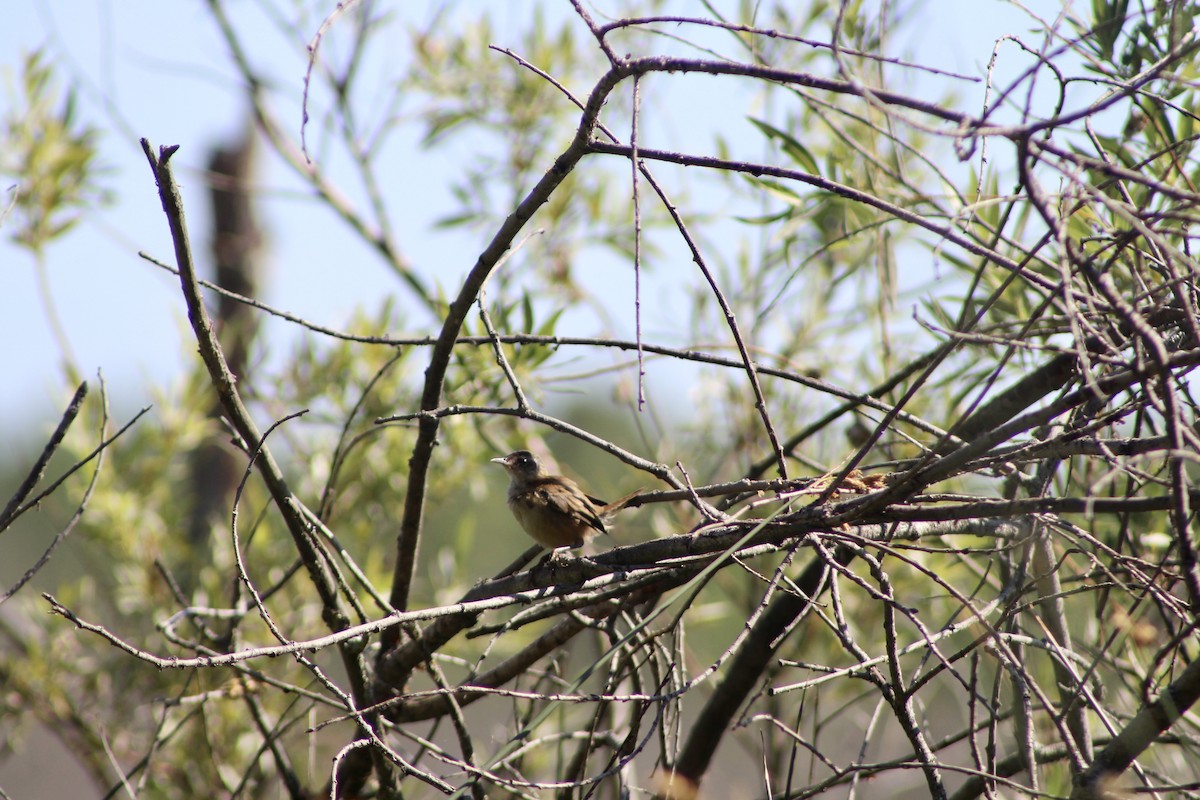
154,69
160,70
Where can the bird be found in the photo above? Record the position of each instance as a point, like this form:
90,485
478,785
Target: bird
552,509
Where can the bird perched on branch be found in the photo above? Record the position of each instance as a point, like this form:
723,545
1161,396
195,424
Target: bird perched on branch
552,509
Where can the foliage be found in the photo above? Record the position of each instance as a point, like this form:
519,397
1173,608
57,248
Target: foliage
51,154
908,394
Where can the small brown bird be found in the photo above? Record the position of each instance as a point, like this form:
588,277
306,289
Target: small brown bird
553,509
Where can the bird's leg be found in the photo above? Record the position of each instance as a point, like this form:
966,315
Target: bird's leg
560,555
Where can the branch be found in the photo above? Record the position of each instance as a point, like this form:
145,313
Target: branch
439,360
224,383
744,670
38,469
1141,732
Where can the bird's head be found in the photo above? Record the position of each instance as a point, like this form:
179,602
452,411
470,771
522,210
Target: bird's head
521,464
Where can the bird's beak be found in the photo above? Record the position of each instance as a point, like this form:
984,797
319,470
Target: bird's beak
501,461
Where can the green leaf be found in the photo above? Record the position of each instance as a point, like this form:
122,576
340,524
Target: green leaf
790,145
779,190
1108,19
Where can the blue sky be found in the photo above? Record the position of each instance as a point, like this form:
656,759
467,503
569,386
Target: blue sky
160,70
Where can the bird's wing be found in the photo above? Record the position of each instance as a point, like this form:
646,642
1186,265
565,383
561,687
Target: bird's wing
571,503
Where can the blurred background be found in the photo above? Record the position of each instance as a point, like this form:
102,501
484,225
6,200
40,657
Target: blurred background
370,230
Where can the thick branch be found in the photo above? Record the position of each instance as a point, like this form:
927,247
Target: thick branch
439,360
746,668
1096,782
